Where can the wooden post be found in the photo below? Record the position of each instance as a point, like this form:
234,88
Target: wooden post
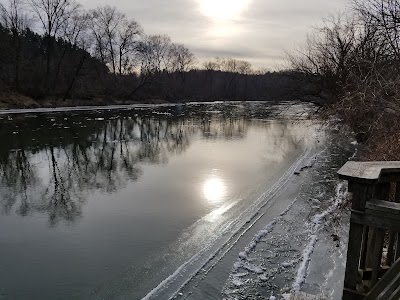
361,194
369,223
376,236
393,235
390,255
397,199
377,255
364,247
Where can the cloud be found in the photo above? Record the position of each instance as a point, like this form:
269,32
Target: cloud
255,30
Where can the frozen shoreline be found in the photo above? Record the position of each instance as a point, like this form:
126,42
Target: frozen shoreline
296,250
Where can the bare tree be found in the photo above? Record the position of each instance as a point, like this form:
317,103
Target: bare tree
13,17
155,54
116,39
330,53
244,67
230,65
52,14
128,45
355,61
384,17
211,66
105,23
75,32
182,60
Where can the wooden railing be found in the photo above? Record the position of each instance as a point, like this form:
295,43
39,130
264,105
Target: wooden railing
373,256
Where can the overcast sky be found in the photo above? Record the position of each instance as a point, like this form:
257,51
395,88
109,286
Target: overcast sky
255,30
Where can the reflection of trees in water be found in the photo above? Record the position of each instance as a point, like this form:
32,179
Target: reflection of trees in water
17,174
55,160
83,155
224,128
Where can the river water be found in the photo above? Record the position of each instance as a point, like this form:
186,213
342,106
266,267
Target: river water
130,203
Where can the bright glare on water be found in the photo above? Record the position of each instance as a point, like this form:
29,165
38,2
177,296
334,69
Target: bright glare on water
214,189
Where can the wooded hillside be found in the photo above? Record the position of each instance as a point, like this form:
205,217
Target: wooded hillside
54,49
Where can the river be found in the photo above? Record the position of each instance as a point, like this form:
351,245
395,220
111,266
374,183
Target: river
136,202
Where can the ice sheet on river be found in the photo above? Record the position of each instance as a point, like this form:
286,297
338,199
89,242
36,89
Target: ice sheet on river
301,249
304,248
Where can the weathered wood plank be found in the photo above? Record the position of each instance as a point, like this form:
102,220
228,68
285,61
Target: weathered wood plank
376,236
353,256
384,282
397,195
397,256
364,247
390,255
392,237
376,219
390,289
384,206
397,200
369,221
367,171
370,248
377,255
395,295
362,193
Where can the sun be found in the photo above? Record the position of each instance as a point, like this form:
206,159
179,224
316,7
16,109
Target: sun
223,9
214,189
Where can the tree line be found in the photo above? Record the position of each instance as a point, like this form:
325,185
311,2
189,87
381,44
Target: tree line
55,48
353,61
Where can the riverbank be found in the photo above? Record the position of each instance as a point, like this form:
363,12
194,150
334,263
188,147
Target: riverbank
13,100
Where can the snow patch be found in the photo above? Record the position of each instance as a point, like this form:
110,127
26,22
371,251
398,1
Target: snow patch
247,266
302,272
237,282
257,238
289,264
317,224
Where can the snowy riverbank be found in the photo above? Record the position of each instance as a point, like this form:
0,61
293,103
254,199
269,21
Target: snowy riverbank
301,249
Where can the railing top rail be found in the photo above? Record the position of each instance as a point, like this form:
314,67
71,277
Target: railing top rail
368,172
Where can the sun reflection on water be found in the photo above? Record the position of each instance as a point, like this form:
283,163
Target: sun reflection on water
214,189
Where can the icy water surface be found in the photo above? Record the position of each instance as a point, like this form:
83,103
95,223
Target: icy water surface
130,203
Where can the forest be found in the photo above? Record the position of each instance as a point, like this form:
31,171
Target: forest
55,52
354,60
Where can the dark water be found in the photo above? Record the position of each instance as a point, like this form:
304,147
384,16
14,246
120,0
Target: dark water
108,204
